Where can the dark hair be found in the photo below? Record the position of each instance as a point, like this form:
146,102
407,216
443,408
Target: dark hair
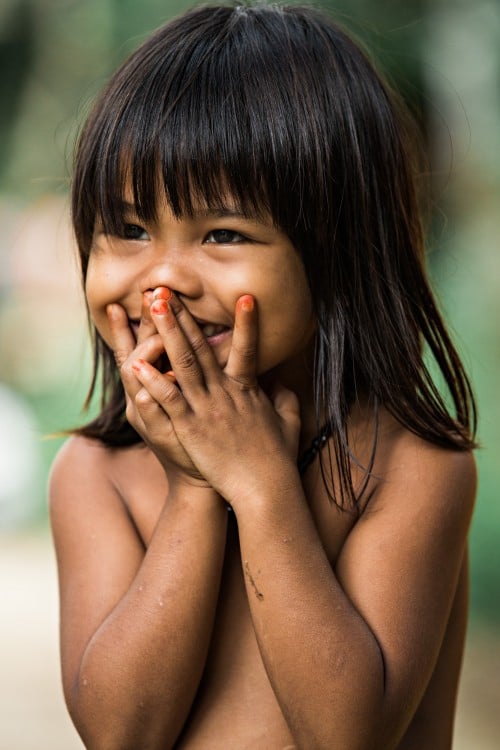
279,105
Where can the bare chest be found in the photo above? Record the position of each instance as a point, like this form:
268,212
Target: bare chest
234,688
235,705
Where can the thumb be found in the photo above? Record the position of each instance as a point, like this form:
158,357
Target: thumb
286,405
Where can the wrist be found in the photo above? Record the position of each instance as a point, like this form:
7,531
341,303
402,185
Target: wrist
186,488
267,490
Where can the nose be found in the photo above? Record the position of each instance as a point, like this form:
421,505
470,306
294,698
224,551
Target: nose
176,269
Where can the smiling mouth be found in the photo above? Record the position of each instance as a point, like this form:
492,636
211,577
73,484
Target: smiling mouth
210,330
213,332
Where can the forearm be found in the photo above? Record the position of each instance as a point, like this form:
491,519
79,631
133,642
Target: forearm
141,669
322,659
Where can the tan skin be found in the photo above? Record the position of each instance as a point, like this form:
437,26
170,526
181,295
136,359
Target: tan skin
285,623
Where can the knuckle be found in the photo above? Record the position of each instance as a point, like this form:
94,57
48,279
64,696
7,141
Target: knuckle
130,413
247,383
120,357
198,343
187,360
143,399
245,347
168,393
246,352
145,403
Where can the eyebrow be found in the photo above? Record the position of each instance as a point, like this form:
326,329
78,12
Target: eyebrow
125,206
219,212
223,212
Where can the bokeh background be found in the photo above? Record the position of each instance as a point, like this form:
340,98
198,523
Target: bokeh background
54,56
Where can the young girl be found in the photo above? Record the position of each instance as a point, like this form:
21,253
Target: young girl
262,537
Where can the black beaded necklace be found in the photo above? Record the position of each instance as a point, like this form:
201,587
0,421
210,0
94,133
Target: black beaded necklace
308,456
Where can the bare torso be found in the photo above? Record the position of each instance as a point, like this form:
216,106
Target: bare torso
235,706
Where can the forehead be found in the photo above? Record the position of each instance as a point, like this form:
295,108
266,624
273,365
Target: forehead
220,200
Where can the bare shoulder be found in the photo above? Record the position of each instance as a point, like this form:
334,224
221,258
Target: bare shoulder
87,493
411,469
80,465
76,454
117,491
81,489
84,463
409,473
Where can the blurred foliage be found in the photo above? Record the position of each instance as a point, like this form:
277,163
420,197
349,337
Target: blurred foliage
56,54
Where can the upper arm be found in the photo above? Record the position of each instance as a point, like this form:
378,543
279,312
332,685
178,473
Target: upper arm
97,547
401,562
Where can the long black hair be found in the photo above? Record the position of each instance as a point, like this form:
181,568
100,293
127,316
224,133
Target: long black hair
278,105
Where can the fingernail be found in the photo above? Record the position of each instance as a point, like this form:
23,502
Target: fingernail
162,292
160,307
112,311
138,364
246,303
148,296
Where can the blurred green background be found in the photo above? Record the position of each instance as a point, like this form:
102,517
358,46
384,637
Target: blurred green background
56,54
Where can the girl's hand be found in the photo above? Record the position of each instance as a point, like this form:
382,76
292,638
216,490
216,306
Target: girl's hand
142,411
240,440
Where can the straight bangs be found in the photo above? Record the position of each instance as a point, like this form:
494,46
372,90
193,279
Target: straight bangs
200,111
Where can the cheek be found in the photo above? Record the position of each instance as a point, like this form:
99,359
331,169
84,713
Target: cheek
98,296
286,318
94,297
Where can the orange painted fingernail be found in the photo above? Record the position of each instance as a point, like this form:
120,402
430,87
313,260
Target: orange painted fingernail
160,307
162,292
138,364
246,303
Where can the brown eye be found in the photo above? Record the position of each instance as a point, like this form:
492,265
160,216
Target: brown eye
224,237
134,232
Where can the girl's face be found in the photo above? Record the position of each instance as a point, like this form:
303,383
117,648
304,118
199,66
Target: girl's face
209,260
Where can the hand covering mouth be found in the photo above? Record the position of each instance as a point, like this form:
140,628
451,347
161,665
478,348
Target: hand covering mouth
162,363
207,328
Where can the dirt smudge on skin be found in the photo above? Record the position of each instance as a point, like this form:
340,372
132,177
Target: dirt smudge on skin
248,574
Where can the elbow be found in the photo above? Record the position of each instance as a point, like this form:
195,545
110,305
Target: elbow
104,725
113,737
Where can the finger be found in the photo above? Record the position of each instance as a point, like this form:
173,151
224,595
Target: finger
242,361
182,354
147,327
122,338
133,416
162,292
194,335
150,411
158,388
149,350
146,416
286,405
